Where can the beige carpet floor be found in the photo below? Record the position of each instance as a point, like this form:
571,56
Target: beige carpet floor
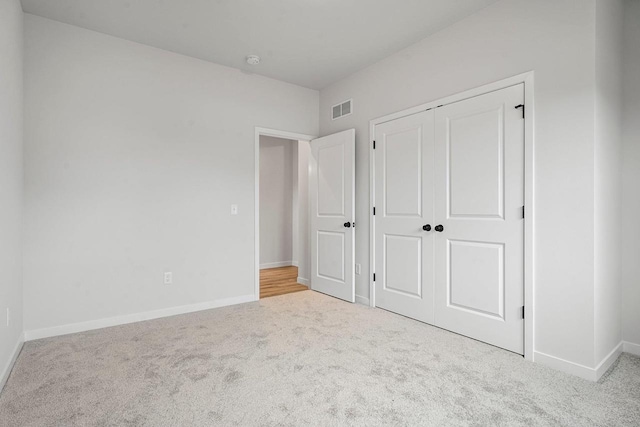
300,359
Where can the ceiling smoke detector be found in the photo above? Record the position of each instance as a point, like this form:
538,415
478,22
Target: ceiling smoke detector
253,59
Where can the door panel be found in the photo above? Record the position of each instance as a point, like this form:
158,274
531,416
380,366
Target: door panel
403,173
479,194
403,265
404,203
476,277
475,146
331,180
332,194
331,263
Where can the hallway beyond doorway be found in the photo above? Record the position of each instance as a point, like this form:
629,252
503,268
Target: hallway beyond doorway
279,281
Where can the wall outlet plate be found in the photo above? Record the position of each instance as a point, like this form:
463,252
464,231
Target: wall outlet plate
358,269
168,277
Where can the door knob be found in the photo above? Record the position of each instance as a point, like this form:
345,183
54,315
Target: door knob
347,224
426,227
439,228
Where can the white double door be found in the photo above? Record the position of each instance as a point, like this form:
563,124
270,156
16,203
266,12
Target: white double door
449,227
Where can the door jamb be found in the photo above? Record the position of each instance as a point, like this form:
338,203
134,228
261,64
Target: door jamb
529,279
259,131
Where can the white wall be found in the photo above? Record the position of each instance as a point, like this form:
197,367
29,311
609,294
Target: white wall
607,178
133,156
276,201
555,38
11,88
631,176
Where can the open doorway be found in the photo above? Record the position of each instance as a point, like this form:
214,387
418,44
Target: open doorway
282,213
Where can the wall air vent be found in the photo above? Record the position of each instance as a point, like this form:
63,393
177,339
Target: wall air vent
341,110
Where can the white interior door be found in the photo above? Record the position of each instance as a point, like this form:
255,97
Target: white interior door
404,216
479,198
332,193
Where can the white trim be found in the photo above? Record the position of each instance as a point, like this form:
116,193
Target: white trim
564,366
529,232
12,361
295,205
256,250
304,281
608,360
363,300
631,348
590,374
90,325
372,223
276,264
529,215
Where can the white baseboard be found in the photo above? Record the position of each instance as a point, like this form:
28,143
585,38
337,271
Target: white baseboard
73,328
304,281
629,347
564,366
590,374
4,376
276,264
294,263
362,300
608,360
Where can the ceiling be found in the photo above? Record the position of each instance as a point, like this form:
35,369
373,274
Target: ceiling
311,43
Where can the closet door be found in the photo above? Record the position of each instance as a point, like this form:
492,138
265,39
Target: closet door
404,216
479,198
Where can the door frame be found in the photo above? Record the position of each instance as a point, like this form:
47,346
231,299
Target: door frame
259,131
529,283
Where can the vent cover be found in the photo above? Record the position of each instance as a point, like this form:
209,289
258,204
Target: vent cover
341,110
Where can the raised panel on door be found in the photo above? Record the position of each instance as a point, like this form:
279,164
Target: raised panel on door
402,271
402,172
476,277
332,208
331,180
479,194
403,198
331,250
475,147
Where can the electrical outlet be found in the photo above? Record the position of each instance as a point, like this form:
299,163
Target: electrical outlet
168,277
358,269
234,209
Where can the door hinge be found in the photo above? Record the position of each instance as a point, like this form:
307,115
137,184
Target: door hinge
374,145
374,210
523,311
521,106
374,277
523,212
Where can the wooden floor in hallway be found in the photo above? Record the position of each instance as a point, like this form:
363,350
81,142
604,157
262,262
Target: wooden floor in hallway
279,281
